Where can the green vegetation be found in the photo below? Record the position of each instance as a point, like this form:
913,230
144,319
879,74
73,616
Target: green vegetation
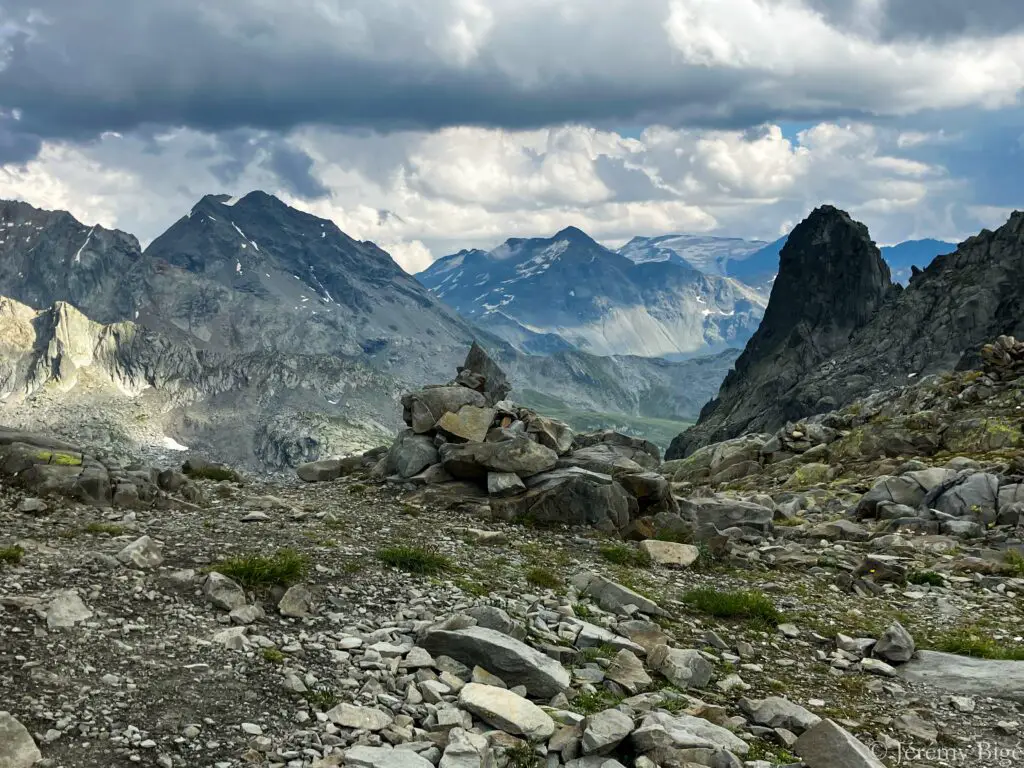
972,641
322,698
59,458
592,703
621,554
113,529
926,577
1015,562
470,587
772,753
11,555
522,756
543,578
751,606
582,610
661,432
273,656
414,560
603,651
256,572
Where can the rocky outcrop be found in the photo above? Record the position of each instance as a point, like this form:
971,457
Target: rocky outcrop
463,443
940,322
831,281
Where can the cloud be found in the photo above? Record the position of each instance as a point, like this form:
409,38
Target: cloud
406,65
421,194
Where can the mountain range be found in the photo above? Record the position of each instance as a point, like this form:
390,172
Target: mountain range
568,291
838,328
262,333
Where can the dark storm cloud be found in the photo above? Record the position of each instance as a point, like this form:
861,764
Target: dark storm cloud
293,169
932,19
76,69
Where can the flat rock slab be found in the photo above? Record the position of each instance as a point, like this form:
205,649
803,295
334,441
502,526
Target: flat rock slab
828,745
17,748
514,662
967,676
505,710
385,757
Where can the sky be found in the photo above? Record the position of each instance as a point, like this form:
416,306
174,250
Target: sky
429,126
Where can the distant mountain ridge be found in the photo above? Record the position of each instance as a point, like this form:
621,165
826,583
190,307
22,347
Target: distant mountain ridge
567,289
249,290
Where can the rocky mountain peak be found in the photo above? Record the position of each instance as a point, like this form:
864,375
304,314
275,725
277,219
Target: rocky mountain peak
831,281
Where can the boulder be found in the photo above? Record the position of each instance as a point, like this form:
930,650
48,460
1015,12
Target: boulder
514,662
636,449
975,498
491,380
505,710
604,731
223,592
410,454
66,609
424,408
777,712
628,671
614,597
470,423
684,668
504,484
829,745
144,552
670,553
362,718
601,458
17,748
570,498
660,730
556,435
384,757
966,676
723,512
474,460
896,645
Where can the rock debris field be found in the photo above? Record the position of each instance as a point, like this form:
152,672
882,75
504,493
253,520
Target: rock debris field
844,593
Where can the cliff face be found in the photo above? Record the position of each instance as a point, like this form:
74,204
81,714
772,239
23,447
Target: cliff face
831,280
836,330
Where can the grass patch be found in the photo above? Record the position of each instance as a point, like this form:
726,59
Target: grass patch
522,756
623,555
322,698
930,578
582,610
972,641
750,606
592,703
1015,563
273,656
772,753
414,559
674,535
543,578
470,587
603,651
11,555
283,568
112,529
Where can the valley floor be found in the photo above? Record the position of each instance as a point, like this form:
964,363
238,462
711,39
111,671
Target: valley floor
152,674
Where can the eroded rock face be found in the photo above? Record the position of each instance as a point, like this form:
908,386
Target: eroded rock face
876,337
831,280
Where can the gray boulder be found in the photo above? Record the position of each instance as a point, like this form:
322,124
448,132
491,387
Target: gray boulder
514,662
519,455
470,423
967,676
683,667
975,498
423,409
17,748
505,710
556,435
604,731
777,712
896,645
570,498
723,512
410,454
490,378
829,745
504,484
322,471
612,596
